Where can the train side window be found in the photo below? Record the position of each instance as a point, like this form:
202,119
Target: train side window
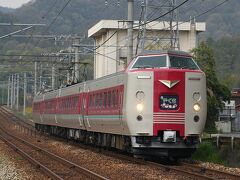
96,100
105,99
117,97
114,98
90,101
120,97
109,98
100,99
93,100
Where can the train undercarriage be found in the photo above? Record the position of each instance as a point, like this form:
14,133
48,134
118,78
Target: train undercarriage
140,147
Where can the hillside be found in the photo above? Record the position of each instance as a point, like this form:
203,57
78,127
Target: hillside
6,10
222,24
82,14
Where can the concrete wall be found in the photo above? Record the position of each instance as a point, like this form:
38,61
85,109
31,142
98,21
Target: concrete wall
111,57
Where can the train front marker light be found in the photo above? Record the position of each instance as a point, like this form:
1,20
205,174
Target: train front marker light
140,95
139,117
196,118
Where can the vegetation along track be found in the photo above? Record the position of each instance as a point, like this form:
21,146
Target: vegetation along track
52,165
192,171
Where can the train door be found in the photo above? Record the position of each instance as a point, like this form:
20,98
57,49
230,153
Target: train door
81,111
85,111
120,104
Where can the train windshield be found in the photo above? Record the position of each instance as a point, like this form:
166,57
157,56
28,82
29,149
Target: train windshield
182,63
150,62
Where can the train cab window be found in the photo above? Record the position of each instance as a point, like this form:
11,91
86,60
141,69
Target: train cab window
179,62
150,62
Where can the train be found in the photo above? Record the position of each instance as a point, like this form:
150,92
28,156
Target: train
156,107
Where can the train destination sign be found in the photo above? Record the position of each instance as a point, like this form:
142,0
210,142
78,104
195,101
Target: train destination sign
169,102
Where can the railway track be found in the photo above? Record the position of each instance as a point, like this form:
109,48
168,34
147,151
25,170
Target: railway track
192,171
52,165
217,174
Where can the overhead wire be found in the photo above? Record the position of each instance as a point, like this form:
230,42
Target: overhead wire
43,17
54,20
196,16
145,23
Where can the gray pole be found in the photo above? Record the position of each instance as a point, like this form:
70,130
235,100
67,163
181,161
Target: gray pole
35,77
24,93
12,91
8,98
18,92
40,79
2,94
144,28
53,77
130,31
76,64
68,77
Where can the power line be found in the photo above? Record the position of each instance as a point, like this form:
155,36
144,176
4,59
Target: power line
49,10
196,16
43,17
60,12
145,23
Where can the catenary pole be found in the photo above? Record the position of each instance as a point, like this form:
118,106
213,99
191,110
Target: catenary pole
8,98
24,93
35,77
130,31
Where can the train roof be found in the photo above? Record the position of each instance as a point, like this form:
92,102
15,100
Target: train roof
147,52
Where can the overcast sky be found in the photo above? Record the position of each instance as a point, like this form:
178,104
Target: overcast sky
12,3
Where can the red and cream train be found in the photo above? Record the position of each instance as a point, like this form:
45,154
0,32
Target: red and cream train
156,107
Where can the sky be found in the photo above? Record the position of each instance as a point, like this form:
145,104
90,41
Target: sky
12,3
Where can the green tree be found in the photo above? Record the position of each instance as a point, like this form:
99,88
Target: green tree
216,91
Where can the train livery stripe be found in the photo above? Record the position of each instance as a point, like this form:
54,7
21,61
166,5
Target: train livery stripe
173,117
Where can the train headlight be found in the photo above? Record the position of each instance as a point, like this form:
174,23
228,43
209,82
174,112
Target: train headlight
196,107
139,107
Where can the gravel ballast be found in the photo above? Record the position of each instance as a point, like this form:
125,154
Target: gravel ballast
13,166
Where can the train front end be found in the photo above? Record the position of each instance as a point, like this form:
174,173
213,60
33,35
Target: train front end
175,87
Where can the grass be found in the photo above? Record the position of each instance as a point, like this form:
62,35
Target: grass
207,152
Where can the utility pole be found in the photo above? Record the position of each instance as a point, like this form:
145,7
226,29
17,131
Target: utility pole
169,40
24,93
35,77
11,91
130,31
68,76
14,90
2,93
8,98
77,60
53,77
40,79
17,106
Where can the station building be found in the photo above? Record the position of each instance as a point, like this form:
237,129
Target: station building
110,37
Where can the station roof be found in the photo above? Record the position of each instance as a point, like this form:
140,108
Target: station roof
102,26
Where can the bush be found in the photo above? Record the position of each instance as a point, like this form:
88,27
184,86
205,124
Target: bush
208,153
